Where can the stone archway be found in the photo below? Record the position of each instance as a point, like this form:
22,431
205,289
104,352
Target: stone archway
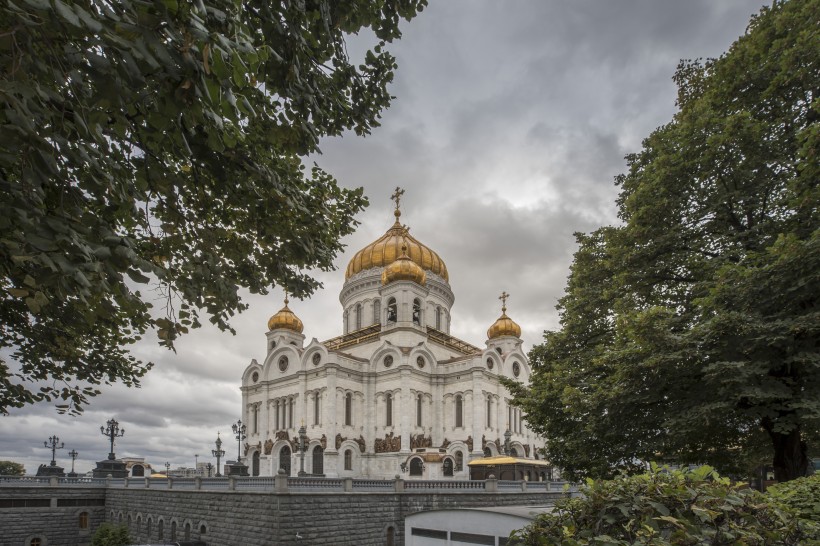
284,459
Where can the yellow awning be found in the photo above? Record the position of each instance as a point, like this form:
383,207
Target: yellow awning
503,459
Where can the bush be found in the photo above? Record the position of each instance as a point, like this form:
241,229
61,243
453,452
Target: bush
668,508
108,534
801,496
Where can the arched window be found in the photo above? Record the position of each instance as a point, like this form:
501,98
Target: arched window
488,452
438,318
448,467
255,464
173,530
392,312
377,311
318,461
36,541
83,520
419,403
459,408
161,530
284,459
513,452
358,316
316,398
416,311
187,532
489,411
202,531
255,418
388,402
348,409
348,459
459,461
138,471
148,524
416,467
391,533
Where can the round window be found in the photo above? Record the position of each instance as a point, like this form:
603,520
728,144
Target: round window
420,361
388,361
255,377
516,369
490,363
283,363
316,359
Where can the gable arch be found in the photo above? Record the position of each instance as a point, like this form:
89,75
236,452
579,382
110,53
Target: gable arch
271,365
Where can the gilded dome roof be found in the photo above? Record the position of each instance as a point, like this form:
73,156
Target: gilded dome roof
404,269
387,249
286,319
504,326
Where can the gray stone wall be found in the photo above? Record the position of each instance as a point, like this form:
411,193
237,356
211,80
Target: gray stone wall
267,518
49,513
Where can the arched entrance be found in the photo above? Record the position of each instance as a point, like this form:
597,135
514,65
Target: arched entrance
416,467
138,470
318,461
255,464
448,467
284,459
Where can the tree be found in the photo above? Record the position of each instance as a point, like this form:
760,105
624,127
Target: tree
108,534
152,152
690,333
10,468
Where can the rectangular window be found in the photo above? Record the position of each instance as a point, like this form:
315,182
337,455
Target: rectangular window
348,409
428,533
316,408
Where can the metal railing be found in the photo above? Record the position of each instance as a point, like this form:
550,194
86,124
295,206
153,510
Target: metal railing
451,342
353,338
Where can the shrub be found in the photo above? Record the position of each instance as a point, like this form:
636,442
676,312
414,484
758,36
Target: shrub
108,534
801,496
666,507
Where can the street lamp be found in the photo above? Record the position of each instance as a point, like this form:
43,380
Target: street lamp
167,469
113,430
196,465
54,444
302,438
239,429
218,453
209,466
73,453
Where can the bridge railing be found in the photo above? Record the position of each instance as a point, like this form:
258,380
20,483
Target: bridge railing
282,483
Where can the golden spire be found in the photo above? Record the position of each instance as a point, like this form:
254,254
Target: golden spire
286,319
397,198
504,326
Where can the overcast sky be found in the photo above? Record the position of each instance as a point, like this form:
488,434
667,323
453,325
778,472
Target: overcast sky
511,120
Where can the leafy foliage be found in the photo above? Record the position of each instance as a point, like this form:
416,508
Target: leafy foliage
665,508
150,152
108,534
801,495
691,333
10,468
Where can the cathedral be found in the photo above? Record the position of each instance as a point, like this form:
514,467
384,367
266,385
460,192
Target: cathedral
395,394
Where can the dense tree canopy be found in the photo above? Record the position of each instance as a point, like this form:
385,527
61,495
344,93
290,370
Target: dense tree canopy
690,333
10,468
150,152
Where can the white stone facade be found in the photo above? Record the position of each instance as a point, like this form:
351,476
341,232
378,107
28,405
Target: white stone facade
395,394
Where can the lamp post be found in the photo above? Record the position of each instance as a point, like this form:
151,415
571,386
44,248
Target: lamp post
218,453
112,430
302,438
209,466
507,436
167,469
196,464
55,444
73,453
239,429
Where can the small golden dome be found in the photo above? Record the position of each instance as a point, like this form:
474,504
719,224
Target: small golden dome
504,326
404,269
387,249
285,319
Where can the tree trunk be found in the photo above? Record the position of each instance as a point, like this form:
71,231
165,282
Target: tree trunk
790,459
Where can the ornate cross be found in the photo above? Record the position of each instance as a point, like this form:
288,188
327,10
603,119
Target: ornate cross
503,297
397,196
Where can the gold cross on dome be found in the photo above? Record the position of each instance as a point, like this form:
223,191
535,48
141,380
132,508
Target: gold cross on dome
503,297
397,196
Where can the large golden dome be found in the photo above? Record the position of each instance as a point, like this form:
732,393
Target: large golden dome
387,249
404,269
286,319
504,326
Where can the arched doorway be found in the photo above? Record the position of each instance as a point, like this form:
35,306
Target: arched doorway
138,470
416,467
318,461
447,467
255,464
284,459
